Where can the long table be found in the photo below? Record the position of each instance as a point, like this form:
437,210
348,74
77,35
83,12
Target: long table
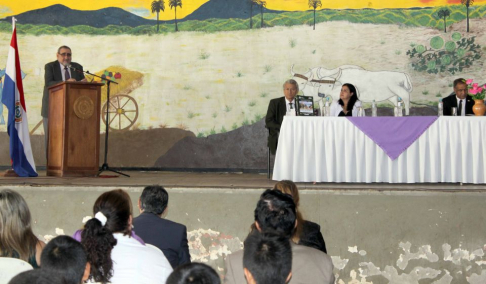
333,149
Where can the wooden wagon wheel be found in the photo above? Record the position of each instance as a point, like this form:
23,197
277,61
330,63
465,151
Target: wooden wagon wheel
123,111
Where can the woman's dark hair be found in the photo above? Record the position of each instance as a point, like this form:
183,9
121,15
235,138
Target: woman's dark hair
98,240
194,273
352,99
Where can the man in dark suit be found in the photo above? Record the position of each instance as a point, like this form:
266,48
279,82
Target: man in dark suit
459,99
56,72
170,237
277,109
275,213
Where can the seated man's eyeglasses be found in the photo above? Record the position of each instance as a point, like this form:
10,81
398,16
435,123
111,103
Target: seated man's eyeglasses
65,54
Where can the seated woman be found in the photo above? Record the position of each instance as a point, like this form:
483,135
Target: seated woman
113,254
348,102
307,233
16,237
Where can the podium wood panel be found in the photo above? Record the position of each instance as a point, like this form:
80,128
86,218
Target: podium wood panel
74,135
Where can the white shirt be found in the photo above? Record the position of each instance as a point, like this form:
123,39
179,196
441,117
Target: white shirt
137,263
336,108
289,110
463,110
63,72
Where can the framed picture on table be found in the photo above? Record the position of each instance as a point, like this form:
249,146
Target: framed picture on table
305,106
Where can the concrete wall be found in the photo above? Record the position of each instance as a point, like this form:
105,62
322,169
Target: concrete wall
372,236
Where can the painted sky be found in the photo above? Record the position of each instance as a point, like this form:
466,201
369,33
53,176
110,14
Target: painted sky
141,8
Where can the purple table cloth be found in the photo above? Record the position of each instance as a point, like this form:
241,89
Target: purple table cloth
393,134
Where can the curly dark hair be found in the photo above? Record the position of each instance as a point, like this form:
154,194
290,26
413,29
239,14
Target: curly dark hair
98,240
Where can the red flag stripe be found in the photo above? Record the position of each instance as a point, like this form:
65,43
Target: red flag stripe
18,74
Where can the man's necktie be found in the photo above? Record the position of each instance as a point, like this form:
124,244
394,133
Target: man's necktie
459,109
291,107
66,74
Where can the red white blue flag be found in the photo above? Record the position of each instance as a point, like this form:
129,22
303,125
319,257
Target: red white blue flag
17,126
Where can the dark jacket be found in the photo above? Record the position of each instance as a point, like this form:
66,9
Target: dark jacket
275,114
451,101
170,237
53,76
312,237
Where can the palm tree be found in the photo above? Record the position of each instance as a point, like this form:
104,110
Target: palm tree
175,3
314,4
252,2
444,14
467,3
158,6
262,4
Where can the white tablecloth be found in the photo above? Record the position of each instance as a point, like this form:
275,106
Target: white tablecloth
332,149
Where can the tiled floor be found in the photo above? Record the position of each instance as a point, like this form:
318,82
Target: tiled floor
223,180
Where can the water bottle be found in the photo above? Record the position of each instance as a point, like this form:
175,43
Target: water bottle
374,109
399,107
327,108
440,108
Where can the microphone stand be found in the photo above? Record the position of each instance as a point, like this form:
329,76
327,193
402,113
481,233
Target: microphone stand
105,166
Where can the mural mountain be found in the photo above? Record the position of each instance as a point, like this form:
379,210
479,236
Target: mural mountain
60,15
225,9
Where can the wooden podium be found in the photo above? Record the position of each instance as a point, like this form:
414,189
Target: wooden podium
74,129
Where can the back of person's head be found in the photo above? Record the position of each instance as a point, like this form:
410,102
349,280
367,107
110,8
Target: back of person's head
267,258
154,199
112,212
275,212
65,256
289,187
16,236
193,273
38,276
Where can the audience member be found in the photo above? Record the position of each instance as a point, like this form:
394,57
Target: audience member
170,237
113,254
65,256
459,99
275,213
267,258
306,233
348,102
277,109
16,237
38,276
194,273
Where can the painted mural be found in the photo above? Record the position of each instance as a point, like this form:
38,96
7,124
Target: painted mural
209,68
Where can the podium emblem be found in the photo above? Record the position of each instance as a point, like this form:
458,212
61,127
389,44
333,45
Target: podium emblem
83,107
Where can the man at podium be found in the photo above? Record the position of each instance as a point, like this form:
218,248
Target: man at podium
56,72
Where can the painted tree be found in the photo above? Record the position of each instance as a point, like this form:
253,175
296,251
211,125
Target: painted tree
467,3
314,4
252,2
174,4
443,14
262,5
158,6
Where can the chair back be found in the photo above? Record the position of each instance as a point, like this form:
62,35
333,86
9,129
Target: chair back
10,267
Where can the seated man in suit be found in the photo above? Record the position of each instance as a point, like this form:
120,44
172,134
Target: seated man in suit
267,258
275,213
277,109
56,72
459,99
170,237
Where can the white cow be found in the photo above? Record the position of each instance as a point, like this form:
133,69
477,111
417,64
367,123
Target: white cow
370,85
